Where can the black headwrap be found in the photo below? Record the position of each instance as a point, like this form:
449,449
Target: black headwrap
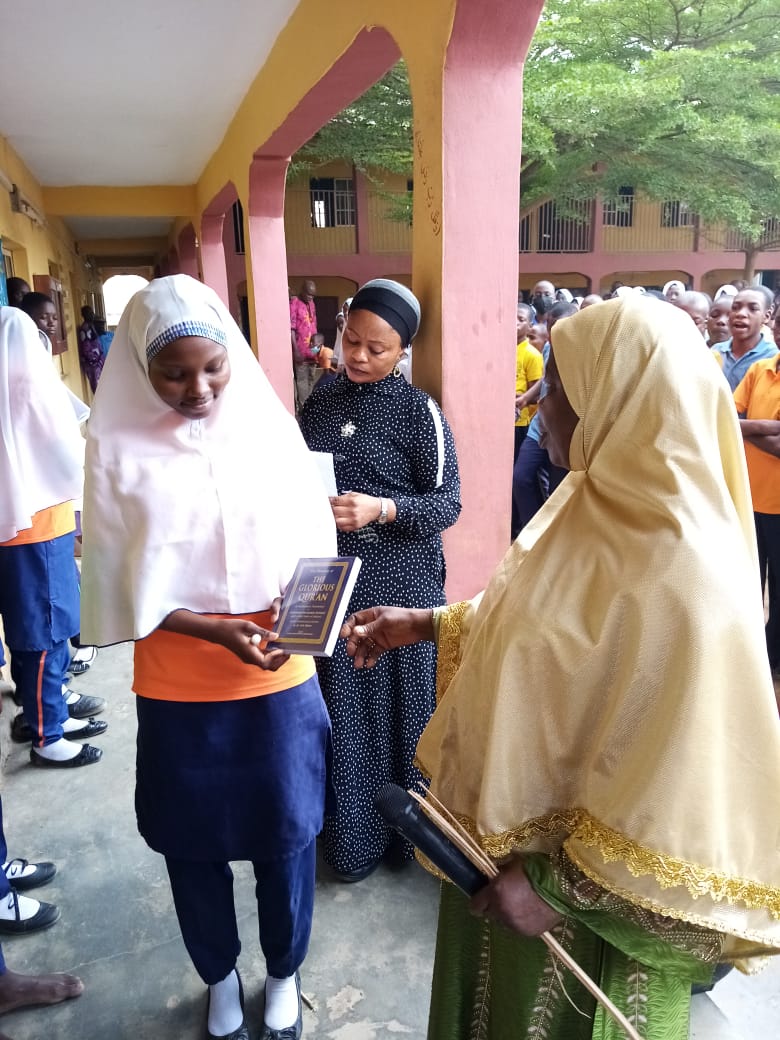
392,302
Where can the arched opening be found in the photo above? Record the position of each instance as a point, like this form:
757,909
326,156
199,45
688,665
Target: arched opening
117,291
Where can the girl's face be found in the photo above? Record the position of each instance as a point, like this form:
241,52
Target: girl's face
557,416
46,319
190,374
370,347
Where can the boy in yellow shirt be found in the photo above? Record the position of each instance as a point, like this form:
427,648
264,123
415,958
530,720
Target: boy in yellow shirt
528,372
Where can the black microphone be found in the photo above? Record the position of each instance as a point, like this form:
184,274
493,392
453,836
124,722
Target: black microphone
398,809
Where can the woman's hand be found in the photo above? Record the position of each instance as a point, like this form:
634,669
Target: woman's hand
353,510
369,633
511,900
248,642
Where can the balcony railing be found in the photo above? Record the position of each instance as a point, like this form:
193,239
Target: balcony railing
558,227
323,221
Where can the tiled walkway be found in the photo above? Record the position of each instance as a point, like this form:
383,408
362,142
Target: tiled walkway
368,971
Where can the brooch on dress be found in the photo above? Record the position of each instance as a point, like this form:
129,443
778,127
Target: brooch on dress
348,429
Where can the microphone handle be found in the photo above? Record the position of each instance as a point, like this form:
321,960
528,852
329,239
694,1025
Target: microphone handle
415,826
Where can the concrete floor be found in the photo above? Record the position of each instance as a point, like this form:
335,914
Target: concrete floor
368,970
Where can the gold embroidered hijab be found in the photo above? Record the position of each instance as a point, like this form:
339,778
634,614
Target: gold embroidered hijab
613,692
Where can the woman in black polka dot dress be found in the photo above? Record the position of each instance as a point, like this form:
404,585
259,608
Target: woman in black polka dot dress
398,489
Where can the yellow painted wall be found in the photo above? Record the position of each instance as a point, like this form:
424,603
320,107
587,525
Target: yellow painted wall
38,250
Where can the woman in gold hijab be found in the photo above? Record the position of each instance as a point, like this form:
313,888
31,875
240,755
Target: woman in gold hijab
607,727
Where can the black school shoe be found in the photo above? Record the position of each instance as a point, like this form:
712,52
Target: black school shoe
21,732
44,917
292,1032
85,706
22,879
86,757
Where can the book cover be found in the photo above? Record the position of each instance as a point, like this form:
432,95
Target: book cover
315,603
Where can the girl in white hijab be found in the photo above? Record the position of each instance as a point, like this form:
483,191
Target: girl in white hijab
41,475
200,498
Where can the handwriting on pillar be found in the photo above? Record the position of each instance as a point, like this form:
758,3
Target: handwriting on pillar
429,193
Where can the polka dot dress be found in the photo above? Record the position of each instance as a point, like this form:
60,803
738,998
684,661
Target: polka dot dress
388,439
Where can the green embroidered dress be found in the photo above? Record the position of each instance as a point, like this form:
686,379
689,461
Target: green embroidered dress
492,984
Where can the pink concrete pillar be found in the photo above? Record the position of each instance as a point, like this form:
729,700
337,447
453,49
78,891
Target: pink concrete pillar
266,262
212,255
361,212
466,266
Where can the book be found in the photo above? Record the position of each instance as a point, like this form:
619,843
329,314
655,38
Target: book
315,603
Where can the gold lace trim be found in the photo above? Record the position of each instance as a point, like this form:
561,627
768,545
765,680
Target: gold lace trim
448,659
752,935
669,871
614,847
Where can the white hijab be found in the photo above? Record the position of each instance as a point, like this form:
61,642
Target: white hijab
210,515
41,448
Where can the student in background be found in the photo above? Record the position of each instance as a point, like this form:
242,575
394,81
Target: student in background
529,366
41,471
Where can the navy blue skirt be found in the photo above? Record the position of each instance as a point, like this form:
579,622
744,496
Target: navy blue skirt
233,780
39,593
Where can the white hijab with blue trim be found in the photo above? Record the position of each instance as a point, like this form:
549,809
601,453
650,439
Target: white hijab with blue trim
210,515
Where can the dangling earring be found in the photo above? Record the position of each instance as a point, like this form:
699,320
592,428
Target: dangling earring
397,371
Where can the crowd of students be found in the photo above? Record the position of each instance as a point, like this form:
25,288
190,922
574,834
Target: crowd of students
740,328
182,407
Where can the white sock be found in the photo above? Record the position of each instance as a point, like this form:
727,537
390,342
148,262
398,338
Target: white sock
281,1002
70,695
69,725
27,907
60,750
225,1014
85,654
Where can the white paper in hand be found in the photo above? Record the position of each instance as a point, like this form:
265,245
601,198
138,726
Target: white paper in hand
323,460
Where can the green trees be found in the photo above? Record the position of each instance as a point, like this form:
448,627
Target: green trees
678,100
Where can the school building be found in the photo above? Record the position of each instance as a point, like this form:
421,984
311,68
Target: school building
156,139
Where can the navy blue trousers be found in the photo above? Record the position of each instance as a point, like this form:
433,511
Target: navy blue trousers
39,602
38,678
768,536
203,897
533,480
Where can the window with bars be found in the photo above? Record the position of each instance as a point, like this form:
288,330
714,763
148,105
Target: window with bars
332,202
619,211
676,214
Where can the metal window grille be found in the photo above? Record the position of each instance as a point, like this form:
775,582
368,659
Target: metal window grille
565,226
619,211
677,214
332,202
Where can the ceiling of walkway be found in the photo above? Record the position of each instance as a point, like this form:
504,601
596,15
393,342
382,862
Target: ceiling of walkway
129,92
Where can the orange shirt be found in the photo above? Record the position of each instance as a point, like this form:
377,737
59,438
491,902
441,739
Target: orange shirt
174,667
47,524
758,397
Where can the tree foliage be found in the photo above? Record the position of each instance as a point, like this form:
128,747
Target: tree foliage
676,99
